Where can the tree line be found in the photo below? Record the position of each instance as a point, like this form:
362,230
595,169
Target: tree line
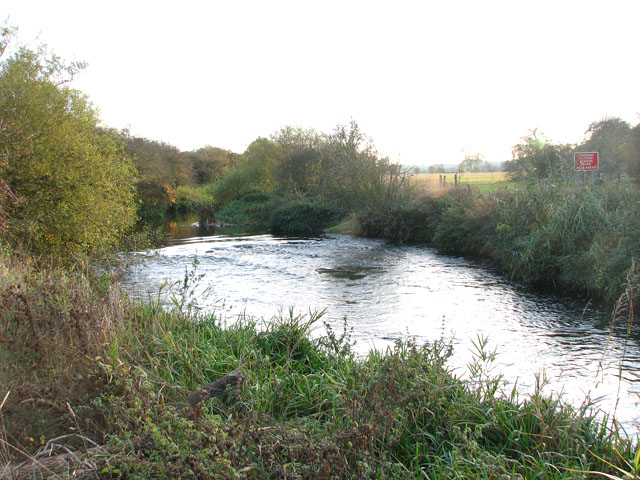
69,185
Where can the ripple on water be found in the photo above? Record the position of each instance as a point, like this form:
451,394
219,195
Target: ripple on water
390,292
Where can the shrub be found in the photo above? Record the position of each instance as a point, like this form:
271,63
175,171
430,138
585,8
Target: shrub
301,219
254,207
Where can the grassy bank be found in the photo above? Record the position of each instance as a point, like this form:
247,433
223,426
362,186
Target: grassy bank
574,237
83,362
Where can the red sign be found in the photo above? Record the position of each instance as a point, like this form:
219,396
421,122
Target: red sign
586,161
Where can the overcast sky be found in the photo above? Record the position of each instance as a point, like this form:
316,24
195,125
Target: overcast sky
425,80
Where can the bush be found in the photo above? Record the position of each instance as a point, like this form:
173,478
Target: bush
307,407
301,219
252,208
577,237
188,199
73,182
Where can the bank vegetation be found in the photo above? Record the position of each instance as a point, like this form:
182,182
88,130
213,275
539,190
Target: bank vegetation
96,385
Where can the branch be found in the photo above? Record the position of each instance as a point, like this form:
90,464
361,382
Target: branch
215,389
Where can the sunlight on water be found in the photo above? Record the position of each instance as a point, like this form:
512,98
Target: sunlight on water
389,292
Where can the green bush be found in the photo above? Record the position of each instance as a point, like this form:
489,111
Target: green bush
188,199
252,208
301,219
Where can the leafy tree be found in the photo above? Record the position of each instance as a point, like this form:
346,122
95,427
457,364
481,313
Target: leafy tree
472,163
353,176
161,169
72,181
296,138
436,168
299,159
160,162
255,172
298,171
538,158
208,163
608,137
631,152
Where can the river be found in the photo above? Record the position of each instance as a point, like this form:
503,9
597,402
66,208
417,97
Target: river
387,292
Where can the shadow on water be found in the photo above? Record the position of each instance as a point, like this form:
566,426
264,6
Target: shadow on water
389,292
180,226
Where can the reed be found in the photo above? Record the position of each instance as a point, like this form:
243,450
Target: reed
307,405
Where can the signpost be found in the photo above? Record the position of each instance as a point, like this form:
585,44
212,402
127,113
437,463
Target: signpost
586,161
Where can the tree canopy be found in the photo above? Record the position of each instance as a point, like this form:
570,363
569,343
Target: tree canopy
537,157
72,181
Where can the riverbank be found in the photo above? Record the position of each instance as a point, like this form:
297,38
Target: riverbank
579,238
572,237
81,360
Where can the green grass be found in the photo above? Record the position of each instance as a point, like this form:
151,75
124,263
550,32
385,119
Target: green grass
308,406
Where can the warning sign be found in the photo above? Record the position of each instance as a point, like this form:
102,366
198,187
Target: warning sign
589,161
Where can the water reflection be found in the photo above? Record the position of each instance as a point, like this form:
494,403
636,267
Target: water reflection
388,292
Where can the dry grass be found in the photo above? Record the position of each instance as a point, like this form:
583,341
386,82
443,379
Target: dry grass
484,181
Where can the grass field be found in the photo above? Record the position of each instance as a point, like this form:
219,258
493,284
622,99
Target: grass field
483,181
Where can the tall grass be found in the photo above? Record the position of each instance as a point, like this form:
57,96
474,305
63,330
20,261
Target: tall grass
580,237
571,236
307,406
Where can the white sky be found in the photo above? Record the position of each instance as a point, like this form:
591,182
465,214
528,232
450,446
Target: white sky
424,79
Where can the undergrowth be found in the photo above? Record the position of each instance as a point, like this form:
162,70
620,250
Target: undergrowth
552,232
110,376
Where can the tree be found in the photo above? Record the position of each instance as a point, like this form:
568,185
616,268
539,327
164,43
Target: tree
299,159
608,137
352,174
209,162
631,152
161,169
72,181
436,168
472,163
538,158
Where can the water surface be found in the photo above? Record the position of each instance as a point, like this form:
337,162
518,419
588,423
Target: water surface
388,292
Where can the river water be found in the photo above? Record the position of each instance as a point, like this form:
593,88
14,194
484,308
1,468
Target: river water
387,292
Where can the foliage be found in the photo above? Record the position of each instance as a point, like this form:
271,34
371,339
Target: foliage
631,151
252,208
460,222
473,163
72,181
161,168
54,321
576,237
308,406
254,172
539,158
335,173
189,198
301,218
353,176
608,136
436,168
209,163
